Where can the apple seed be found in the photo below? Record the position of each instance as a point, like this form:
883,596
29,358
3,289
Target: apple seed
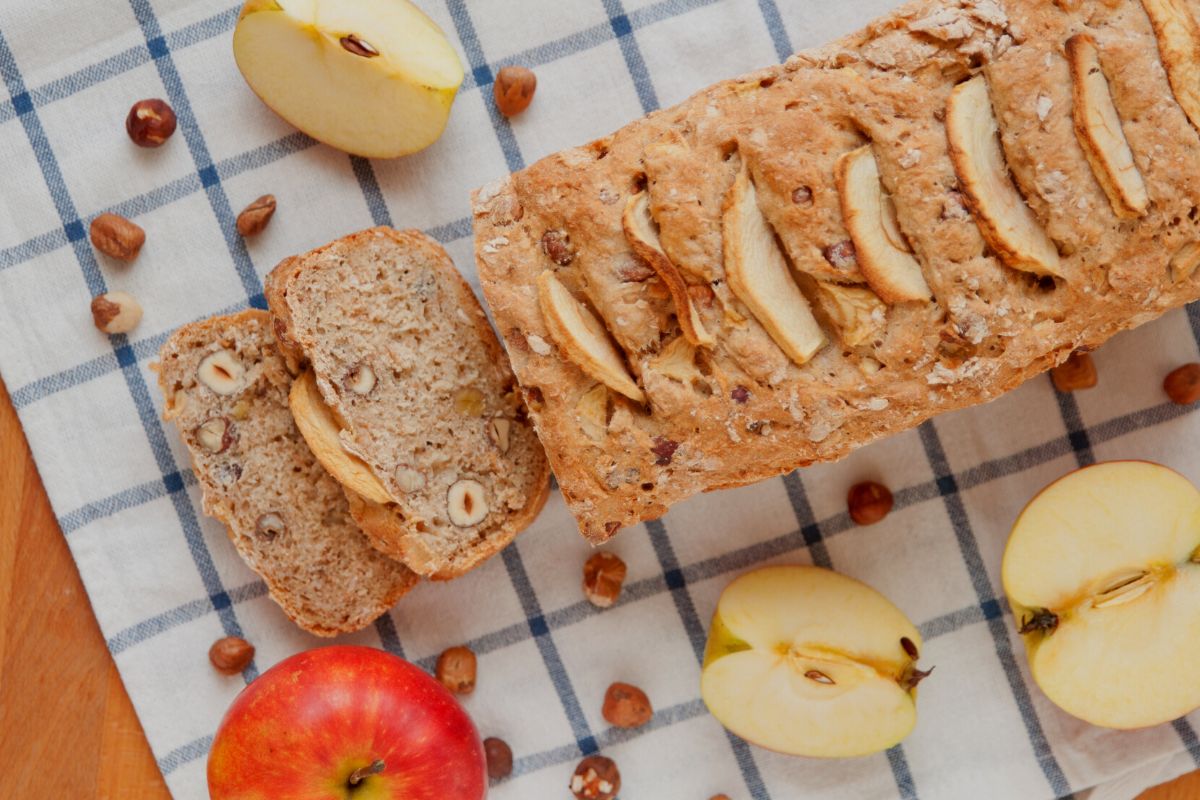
357,46
820,677
909,648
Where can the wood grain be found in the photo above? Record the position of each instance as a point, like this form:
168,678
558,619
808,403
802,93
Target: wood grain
67,728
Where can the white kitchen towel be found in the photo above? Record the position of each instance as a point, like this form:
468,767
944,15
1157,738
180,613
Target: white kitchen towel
165,582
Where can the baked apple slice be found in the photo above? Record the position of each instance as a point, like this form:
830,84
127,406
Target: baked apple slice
1102,574
642,235
1004,220
884,255
804,661
759,275
320,429
583,338
1099,131
859,315
1185,261
1179,47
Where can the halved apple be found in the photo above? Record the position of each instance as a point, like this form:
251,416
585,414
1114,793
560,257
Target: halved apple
1099,131
805,661
320,429
759,275
375,78
884,255
1004,220
642,236
583,338
857,312
1102,576
1179,47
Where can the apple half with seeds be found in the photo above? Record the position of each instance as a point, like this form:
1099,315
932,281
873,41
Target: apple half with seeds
374,78
804,661
1102,574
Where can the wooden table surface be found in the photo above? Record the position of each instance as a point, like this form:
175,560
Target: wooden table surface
67,728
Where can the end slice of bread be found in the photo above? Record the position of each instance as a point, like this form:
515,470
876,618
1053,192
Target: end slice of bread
417,391
226,386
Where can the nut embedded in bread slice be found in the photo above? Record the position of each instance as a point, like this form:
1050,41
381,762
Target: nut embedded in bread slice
226,387
583,338
1005,221
759,275
1099,131
410,396
883,254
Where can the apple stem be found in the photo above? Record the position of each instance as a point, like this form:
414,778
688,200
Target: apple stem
362,773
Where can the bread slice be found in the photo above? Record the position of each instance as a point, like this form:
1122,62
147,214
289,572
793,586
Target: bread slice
1006,233
285,514
422,422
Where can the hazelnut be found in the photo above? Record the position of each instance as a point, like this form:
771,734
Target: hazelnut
116,312
841,255
557,246
1182,385
456,670
469,402
466,503
514,90
116,236
603,576
222,372
802,196
626,706
215,435
596,778
150,122
499,758
500,432
664,450
869,502
254,217
228,474
360,379
740,394
1077,372
231,654
269,526
408,479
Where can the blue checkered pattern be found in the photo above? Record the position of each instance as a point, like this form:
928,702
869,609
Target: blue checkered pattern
164,581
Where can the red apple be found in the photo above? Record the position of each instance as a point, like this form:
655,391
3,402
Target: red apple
346,723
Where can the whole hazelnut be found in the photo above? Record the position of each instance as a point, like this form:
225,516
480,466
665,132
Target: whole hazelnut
626,706
150,122
456,670
116,312
869,502
603,576
116,236
1077,372
231,654
499,758
514,90
254,217
596,778
1182,384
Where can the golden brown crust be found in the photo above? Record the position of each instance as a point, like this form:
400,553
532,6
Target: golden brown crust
752,414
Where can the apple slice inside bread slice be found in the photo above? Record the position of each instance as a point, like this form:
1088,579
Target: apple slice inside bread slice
1179,47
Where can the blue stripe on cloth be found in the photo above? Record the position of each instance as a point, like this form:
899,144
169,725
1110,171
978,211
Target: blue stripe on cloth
130,498
136,385
686,608
542,637
184,755
969,548
775,26
1077,435
814,539
1187,735
632,53
389,639
135,634
364,173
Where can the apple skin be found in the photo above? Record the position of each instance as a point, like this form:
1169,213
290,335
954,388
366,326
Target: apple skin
306,724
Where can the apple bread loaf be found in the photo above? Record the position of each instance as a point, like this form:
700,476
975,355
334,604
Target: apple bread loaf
407,399
791,264
226,387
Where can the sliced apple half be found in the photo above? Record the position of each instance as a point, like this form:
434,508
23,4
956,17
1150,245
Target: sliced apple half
1099,131
1102,576
808,662
856,311
642,235
1004,220
759,276
1179,47
320,429
884,255
583,338
375,78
